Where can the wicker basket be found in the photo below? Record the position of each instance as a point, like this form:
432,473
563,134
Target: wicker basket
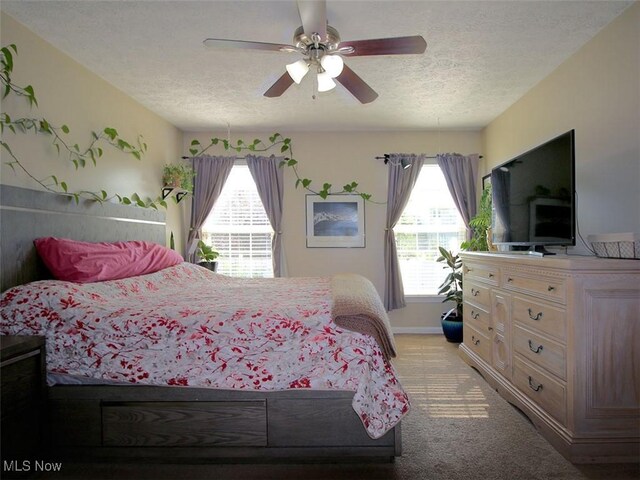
616,245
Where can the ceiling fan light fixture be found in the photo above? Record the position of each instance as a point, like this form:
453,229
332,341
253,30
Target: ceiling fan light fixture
298,70
325,82
332,64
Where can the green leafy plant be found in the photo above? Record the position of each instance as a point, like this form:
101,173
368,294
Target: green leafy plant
206,253
451,287
480,224
286,147
79,156
178,175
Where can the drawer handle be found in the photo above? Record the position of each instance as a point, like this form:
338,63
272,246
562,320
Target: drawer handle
474,341
474,314
537,388
538,349
537,317
491,275
490,329
509,280
550,288
475,292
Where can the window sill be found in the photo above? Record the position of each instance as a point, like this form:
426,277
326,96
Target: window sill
423,298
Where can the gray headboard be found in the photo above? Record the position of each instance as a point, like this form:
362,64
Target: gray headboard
29,214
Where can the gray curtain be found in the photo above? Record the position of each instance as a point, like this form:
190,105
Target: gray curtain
461,174
211,175
268,176
401,182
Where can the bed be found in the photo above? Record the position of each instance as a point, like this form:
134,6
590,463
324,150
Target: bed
353,410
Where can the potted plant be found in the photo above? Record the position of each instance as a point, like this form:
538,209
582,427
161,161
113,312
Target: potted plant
451,288
481,225
176,175
207,255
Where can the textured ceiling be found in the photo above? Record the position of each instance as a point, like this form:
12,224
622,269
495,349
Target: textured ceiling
481,57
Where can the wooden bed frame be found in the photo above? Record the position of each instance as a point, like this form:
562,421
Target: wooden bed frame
163,423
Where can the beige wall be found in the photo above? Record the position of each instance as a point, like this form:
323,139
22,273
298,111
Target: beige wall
69,94
597,93
340,158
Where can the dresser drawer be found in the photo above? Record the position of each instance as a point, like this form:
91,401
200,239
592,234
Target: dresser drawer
549,288
549,394
478,342
477,317
477,294
541,351
540,316
481,272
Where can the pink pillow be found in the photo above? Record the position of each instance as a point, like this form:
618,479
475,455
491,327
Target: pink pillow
84,262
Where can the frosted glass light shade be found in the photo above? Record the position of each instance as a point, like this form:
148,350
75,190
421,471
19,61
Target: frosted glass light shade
325,82
332,64
298,70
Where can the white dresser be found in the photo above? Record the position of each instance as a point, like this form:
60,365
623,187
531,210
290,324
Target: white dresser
559,337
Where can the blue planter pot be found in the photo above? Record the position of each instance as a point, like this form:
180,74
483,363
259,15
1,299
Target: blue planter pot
452,329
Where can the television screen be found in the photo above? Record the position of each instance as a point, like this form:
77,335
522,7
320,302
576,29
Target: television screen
533,196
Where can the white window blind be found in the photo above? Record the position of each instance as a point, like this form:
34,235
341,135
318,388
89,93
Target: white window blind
429,220
239,229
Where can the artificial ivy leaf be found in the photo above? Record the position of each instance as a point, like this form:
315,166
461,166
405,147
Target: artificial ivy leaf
292,162
75,162
111,133
365,196
135,197
324,194
135,154
298,182
282,163
8,59
347,188
195,142
99,152
104,194
141,203
76,197
163,203
63,185
7,90
326,186
306,182
64,128
193,151
214,141
225,143
126,201
283,149
55,179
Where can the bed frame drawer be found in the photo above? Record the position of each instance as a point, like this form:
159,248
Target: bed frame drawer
196,424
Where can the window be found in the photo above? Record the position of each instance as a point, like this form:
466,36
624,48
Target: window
429,220
239,229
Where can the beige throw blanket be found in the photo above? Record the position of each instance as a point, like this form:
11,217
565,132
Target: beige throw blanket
357,306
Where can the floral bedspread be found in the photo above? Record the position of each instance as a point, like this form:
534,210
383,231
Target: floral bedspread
187,326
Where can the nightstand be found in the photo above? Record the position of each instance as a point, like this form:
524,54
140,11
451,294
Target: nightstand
23,408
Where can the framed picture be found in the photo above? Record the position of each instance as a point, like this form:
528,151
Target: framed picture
486,180
335,222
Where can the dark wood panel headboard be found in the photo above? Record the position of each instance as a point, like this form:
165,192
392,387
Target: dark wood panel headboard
29,214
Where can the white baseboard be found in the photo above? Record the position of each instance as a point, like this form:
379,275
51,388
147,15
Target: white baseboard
417,330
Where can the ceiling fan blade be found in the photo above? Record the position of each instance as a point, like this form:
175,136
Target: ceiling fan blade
358,87
386,46
313,14
280,86
222,43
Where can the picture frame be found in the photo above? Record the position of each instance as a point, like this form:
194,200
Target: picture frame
486,180
335,222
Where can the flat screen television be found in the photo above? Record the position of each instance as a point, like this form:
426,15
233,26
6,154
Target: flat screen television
533,197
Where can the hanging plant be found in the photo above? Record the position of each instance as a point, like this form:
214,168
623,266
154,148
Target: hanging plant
286,148
79,156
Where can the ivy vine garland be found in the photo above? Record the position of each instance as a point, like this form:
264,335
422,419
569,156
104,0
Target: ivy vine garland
79,156
275,140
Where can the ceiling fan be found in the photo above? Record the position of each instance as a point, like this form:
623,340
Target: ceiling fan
322,49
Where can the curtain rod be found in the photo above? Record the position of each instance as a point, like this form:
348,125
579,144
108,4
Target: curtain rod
387,155
191,158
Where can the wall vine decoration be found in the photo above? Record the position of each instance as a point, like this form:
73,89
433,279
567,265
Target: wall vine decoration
79,156
286,148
